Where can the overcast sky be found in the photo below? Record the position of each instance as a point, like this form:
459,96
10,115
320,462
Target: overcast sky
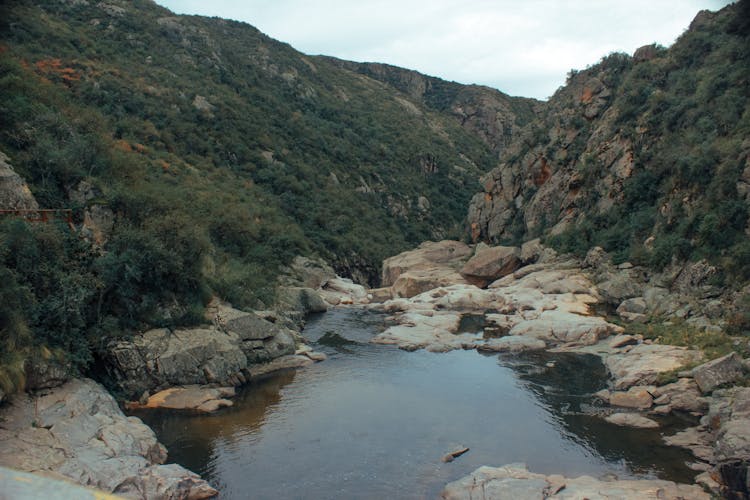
522,47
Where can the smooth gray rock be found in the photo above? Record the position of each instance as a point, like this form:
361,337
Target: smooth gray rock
217,354
78,431
720,371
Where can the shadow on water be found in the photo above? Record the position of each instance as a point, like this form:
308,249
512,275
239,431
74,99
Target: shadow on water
565,382
373,421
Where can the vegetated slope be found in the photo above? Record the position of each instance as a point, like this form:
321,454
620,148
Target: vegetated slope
202,155
646,156
488,113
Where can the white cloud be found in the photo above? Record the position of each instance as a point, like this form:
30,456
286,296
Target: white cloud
520,47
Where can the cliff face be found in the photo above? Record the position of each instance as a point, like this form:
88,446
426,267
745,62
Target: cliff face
644,155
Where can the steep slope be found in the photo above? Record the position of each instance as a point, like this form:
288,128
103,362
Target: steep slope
646,156
199,156
488,113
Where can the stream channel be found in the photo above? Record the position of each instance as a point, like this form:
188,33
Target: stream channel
373,421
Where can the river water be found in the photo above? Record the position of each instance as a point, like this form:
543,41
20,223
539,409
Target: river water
374,421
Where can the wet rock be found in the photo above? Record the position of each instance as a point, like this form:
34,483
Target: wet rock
631,420
512,343
78,431
515,481
491,263
720,371
635,397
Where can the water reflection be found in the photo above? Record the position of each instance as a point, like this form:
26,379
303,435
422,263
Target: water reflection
373,421
564,383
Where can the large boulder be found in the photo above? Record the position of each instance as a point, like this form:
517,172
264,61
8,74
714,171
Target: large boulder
720,371
428,255
491,263
78,432
416,281
220,353
162,358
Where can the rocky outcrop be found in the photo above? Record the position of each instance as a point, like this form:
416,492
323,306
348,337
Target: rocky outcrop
515,481
14,192
537,306
723,440
220,354
76,431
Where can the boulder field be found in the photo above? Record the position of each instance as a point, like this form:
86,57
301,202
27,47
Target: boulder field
530,298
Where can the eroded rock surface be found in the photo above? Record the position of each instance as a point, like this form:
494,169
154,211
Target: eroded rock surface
77,431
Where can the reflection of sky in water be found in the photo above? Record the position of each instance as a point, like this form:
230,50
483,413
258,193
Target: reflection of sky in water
373,421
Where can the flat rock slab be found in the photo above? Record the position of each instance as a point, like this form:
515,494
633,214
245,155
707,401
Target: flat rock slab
192,398
516,482
632,420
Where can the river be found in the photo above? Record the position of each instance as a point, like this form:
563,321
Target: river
373,421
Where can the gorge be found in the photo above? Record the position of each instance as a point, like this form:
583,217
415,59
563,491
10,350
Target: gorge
559,283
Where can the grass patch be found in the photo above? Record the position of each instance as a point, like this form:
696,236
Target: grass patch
712,344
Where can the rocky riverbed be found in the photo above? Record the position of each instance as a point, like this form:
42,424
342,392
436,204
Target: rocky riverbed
532,299
515,300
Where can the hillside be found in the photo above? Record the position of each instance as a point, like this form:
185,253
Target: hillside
199,156
647,156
